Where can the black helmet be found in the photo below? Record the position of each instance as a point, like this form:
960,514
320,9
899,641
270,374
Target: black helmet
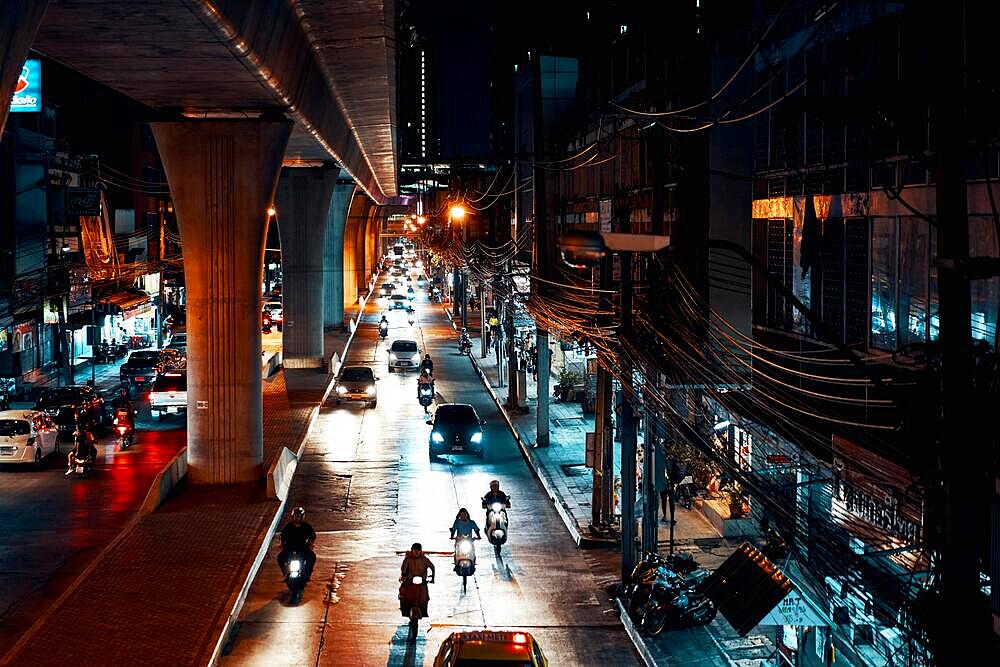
299,512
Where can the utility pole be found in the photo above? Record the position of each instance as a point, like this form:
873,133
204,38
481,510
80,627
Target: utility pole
963,624
603,471
541,255
627,426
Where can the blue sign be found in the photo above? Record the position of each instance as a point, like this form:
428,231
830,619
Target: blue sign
28,91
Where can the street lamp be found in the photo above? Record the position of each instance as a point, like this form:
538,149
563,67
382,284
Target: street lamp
581,250
457,213
271,211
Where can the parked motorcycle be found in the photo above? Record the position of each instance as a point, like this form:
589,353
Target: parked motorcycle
465,559
496,525
676,607
641,581
297,576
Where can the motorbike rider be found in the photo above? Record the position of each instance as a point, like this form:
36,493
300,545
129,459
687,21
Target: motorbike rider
427,364
494,496
464,526
297,535
383,325
83,448
425,380
415,564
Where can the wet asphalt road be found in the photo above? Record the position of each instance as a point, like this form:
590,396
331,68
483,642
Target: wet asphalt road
370,491
54,526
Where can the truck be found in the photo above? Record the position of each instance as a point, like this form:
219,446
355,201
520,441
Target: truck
169,394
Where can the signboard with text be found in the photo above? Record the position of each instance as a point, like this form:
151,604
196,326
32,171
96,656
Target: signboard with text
83,201
27,95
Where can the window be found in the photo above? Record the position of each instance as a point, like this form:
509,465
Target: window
883,254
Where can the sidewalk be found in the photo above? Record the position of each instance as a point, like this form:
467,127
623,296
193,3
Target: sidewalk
163,592
560,467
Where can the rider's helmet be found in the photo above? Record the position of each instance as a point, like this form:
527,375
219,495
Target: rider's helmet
298,513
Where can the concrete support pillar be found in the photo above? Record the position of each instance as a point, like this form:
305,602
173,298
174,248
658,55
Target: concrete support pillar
333,254
303,204
544,387
19,20
354,260
222,176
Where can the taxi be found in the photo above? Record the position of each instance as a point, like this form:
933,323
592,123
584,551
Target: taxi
509,648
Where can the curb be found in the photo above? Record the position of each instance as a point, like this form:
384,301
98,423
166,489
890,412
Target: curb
240,598
581,540
633,634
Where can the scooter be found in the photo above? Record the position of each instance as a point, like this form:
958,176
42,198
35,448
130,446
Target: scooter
82,466
383,331
496,525
465,345
465,559
297,576
425,394
126,432
641,582
412,591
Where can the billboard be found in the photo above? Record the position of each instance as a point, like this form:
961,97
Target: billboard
28,91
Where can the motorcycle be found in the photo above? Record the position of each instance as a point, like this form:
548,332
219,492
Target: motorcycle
82,466
425,394
465,559
297,576
413,598
496,525
465,345
641,581
125,429
383,330
678,607
410,318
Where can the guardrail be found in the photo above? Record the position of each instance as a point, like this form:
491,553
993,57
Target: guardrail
165,482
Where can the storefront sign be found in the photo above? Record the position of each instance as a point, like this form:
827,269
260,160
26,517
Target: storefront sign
54,312
4,339
779,459
876,491
83,201
28,90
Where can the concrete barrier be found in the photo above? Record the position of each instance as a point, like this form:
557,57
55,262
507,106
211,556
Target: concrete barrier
334,364
279,477
165,482
269,364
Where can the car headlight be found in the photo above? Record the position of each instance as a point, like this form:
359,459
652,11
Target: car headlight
465,547
437,437
415,358
392,355
476,437
371,390
341,389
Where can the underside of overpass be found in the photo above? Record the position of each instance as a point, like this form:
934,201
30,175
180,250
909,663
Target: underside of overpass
235,90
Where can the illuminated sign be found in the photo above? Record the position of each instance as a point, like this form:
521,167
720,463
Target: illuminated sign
28,91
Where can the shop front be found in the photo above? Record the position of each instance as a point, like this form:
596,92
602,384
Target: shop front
128,318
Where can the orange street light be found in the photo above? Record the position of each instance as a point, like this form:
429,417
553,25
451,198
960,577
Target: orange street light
271,211
457,212
421,219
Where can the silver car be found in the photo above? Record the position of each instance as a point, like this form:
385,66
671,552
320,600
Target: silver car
404,355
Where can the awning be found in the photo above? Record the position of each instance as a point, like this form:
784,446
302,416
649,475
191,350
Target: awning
747,587
120,302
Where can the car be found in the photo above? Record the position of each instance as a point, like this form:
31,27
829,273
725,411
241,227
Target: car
404,355
27,437
143,366
357,383
169,394
387,289
398,301
274,310
510,648
71,406
457,429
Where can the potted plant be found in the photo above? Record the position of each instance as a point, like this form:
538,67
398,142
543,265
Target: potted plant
736,499
567,380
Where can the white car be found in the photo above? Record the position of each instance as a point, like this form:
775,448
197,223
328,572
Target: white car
273,310
404,355
26,437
